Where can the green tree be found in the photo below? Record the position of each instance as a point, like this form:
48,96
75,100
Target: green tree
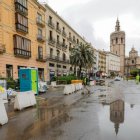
82,56
134,72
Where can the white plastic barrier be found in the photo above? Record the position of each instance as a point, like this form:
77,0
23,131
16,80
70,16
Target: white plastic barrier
73,88
67,89
80,86
92,83
3,113
3,93
53,84
24,99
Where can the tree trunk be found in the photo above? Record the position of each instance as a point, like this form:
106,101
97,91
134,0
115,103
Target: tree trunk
80,68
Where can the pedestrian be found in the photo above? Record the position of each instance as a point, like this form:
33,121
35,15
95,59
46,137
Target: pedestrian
137,79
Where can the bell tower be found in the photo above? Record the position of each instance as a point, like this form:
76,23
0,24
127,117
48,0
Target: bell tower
117,44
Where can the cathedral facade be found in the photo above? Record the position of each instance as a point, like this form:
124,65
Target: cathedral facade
132,61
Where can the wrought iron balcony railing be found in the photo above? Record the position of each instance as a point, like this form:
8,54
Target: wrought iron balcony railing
51,24
40,22
41,38
21,8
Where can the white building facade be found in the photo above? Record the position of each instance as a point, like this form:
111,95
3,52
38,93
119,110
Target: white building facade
112,63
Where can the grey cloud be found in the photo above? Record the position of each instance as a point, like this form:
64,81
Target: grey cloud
82,16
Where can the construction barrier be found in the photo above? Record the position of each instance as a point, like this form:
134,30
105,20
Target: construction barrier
24,99
92,83
3,113
3,93
53,84
76,81
72,88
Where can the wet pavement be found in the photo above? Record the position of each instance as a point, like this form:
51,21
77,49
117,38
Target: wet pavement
110,112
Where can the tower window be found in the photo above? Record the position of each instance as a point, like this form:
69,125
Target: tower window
121,40
116,40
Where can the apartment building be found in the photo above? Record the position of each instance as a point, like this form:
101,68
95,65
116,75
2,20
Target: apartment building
112,63
22,37
60,39
102,61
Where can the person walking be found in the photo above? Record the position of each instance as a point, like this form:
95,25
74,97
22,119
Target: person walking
137,79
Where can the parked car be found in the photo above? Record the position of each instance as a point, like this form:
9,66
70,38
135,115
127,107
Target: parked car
117,78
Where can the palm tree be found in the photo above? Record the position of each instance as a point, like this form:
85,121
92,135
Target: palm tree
82,56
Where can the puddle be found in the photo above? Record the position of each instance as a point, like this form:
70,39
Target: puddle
36,123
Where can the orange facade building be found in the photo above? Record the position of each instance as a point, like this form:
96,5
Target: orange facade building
22,37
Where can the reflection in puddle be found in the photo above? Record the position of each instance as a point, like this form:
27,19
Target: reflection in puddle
117,113
45,120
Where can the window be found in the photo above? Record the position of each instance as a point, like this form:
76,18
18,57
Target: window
58,66
58,53
22,2
21,6
116,40
39,17
132,61
51,64
70,34
50,35
64,56
57,25
57,38
50,19
77,41
21,23
39,32
51,52
63,29
121,40
40,52
22,46
9,71
64,67
63,41
41,74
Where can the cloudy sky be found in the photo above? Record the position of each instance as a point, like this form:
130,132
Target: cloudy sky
96,19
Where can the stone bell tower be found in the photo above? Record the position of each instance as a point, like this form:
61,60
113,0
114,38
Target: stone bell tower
117,45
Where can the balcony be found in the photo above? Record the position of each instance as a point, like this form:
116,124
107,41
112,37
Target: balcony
64,33
58,45
2,48
69,38
21,28
57,59
40,58
64,46
22,53
21,9
74,41
51,24
41,38
58,30
40,22
51,41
